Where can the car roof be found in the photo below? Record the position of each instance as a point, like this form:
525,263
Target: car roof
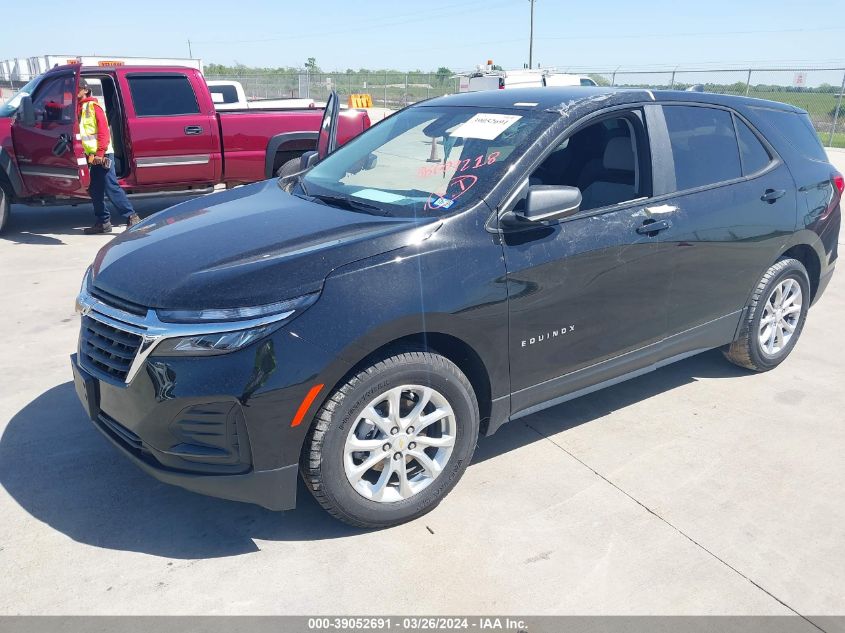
557,98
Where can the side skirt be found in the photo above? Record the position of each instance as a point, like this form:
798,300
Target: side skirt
610,372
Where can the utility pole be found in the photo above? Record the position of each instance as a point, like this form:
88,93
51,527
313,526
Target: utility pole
190,55
531,38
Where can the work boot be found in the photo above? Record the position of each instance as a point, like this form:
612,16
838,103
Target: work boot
131,220
99,227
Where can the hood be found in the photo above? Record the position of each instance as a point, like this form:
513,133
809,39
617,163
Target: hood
249,246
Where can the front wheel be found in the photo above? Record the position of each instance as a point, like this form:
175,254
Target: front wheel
390,443
774,317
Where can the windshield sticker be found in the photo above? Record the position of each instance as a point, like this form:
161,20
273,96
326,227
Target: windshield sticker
378,196
486,126
454,190
458,165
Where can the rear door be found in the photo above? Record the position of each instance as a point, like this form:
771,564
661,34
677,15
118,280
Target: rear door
731,207
174,134
49,152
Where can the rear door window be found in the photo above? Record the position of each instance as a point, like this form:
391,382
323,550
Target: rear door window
704,145
753,153
162,95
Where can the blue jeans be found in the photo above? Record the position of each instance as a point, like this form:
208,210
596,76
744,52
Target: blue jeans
104,183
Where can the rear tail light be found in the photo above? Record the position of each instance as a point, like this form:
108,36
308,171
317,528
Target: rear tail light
838,182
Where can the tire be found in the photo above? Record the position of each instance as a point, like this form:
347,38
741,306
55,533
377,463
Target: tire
289,168
789,277
5,208
339,477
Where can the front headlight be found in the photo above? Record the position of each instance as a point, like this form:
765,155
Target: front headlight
224,330
212,344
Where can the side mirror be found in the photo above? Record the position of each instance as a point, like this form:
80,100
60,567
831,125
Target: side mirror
26,112
551,202
308,160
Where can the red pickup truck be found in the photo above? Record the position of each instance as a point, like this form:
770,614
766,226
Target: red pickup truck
167,136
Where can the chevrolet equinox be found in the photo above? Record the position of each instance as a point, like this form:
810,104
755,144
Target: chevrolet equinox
472,259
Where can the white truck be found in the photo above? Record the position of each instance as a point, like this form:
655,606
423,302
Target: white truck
488,79
230,95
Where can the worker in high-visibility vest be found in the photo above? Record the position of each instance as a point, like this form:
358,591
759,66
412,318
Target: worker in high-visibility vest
96,141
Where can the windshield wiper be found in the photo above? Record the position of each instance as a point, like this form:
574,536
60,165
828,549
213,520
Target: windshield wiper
349,203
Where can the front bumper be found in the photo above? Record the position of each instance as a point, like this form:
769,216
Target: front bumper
274,489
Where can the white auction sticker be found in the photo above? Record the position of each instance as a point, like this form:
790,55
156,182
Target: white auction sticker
486,126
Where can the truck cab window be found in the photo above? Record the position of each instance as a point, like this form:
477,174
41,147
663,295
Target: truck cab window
163,95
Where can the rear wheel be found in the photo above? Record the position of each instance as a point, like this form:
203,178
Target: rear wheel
390,443
774,318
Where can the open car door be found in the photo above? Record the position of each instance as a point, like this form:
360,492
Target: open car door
45,133
327,138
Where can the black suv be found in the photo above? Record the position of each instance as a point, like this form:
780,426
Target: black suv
467,261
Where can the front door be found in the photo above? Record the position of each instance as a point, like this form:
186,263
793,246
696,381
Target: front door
593,286
48,151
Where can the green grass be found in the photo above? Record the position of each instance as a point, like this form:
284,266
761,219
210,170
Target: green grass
818,104
838,139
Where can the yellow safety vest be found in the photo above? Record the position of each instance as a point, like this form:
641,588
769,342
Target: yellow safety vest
88,130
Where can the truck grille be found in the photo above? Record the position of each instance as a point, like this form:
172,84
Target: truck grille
106,350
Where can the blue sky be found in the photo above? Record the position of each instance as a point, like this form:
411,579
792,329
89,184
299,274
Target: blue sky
409,35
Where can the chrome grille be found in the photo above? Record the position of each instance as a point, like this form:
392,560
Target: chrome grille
107,350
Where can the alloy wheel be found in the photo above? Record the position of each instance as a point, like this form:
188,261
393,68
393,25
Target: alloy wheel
400,443
781,314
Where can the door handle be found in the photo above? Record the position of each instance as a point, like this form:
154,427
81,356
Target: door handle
772,195
653,227
193,130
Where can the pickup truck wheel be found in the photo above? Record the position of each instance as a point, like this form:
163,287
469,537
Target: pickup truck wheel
5,208
774,317
390,443
289,168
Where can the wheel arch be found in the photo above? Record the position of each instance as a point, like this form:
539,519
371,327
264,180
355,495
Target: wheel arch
288,142
465,357
808,256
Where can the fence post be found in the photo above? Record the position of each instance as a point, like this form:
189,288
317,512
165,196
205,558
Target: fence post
385,90
836,113
672,85
748,83
405,96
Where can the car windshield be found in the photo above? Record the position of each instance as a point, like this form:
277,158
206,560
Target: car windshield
425,160
9,108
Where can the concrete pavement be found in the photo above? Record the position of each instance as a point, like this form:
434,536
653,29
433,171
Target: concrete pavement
697,489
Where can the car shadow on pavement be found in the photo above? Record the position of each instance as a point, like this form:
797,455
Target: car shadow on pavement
46,225
711,364
64,473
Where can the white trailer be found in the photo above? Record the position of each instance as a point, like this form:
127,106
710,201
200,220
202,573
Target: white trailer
22,69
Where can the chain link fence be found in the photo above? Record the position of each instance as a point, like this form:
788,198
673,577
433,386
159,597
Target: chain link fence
816,90
391,90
